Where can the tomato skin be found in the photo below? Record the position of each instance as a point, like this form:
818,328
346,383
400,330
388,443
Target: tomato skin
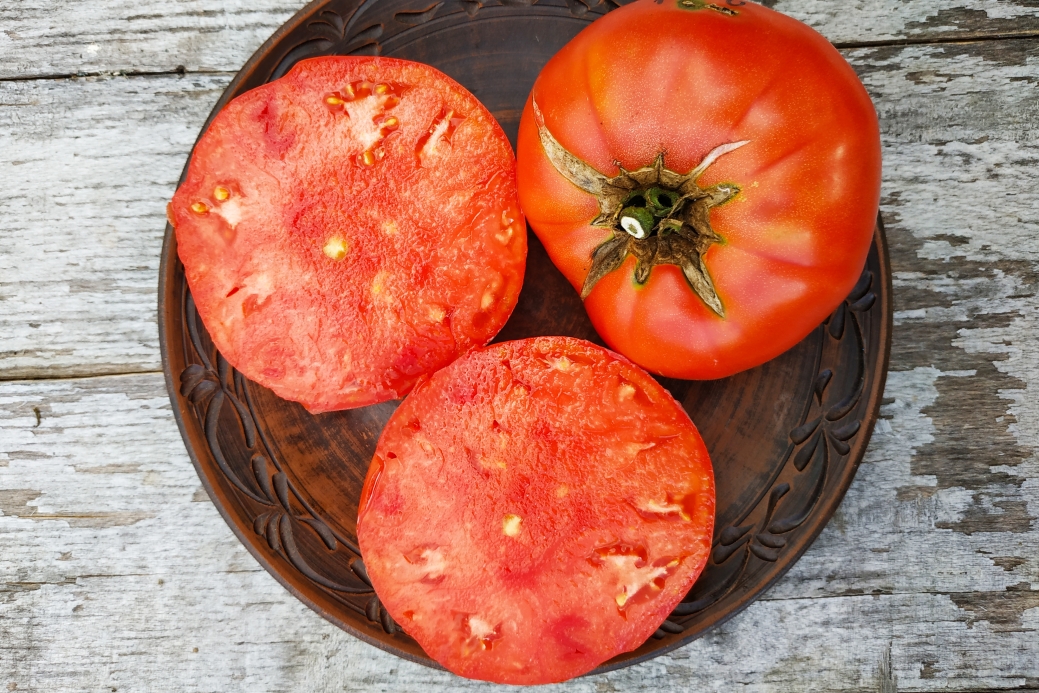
650,78
534,509
338,280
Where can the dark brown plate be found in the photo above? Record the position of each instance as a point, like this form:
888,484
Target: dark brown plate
785,437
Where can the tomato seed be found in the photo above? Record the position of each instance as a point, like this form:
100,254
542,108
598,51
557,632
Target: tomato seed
510,525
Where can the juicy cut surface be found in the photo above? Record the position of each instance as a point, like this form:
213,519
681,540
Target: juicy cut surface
534,509
350,228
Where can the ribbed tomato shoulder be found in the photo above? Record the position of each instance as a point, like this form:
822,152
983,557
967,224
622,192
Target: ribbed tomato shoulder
679,79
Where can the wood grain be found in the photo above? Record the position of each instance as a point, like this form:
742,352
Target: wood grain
114,555
115,567
87,168
59,38
54,37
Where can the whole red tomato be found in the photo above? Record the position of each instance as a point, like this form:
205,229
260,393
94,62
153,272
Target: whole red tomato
707,175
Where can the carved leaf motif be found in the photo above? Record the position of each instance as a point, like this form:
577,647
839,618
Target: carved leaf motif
291,551
805,453
846,431
864,303
273,536
225,385
721,581
842,408
372,608
770,541
375,612
730,535
365,41
861,286
724,553
778,492
578,8
668,627
821,382
387,621
374,31
801,433
260,524
324,532
765,553
328,23
837,322
357,565
798,517
416,17
281,488
203,391
307,49
244,418
263,479
190,379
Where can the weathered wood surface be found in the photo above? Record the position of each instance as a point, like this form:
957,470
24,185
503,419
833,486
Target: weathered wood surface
42,38
86,168
115,567
58,37
118,573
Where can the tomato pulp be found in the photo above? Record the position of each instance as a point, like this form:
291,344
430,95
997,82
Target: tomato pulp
534,509
350,228
707,174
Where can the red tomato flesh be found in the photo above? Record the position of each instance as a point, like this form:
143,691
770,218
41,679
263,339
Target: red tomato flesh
350,228
534,509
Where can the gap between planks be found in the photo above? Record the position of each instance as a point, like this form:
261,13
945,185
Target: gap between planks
839,45
179,71
58,378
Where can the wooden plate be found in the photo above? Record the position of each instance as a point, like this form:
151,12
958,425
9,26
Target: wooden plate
785,438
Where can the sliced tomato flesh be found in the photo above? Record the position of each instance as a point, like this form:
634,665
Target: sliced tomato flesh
534,509
350,228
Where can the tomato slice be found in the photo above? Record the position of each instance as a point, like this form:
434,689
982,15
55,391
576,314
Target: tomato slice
534,509
349,228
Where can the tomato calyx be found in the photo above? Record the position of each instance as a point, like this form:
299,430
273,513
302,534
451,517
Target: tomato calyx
660,216
702,5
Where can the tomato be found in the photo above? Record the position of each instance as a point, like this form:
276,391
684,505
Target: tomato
707,174
350,228
534,509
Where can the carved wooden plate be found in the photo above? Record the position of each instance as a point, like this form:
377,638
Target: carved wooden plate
785,438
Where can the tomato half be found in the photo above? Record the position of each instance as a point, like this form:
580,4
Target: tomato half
534,509
707,174
349,228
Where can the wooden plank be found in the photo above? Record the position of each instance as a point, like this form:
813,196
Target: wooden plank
55,37
88,165
87,168
119,573
847,22
926,579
